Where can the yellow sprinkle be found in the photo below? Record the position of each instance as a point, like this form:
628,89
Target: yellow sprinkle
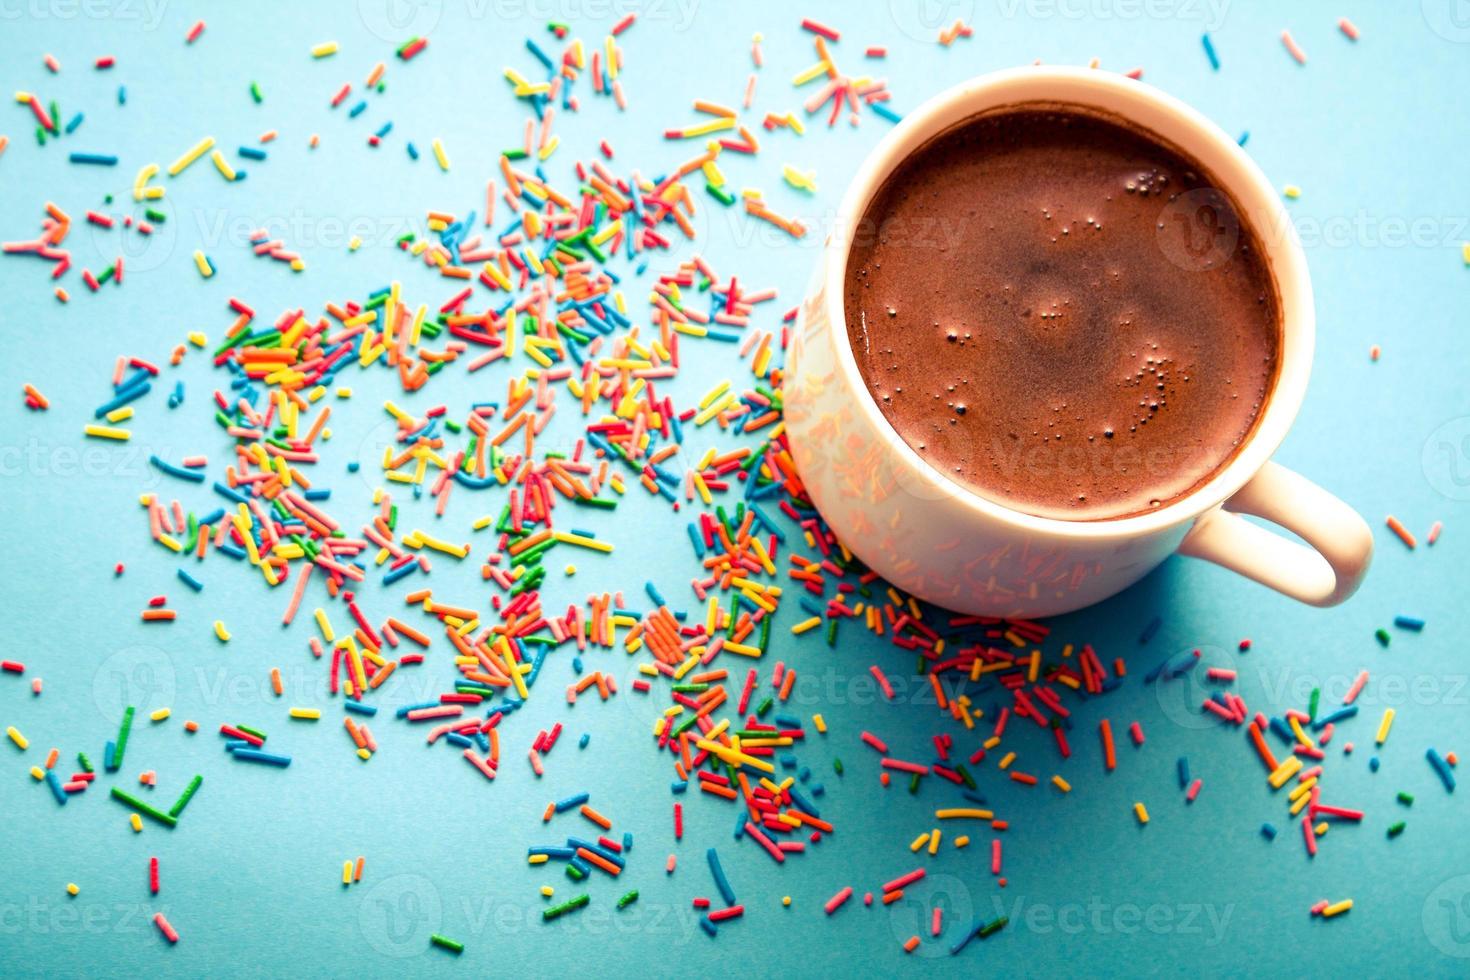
221,632
202,264
306,714
72,889
37,773
439,154
324,50
107,432
820,723
1385,725
786,900
807,624
1141,812
120,414
160,714
934,841
537,859
1007,759
951,814
17,737
1337,908
137,823
197,338
1289,767
963,840
1465,252
197,151
364,754
222,165
1061,784
1292,191
919,841
547,891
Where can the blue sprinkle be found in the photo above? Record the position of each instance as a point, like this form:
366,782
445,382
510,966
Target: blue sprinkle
252,152
255,755
1408,623
1183,772
1268,831
1443,768
1373,763
191,581
100,159
1210,52
357,707
721,882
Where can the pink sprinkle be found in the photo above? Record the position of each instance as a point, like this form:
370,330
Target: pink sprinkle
1434,532
1135,731
1356,689
669,865
837,901
1293,48
1348,28
875,742
938,924
165,928
1220,674
995,856
903,881
194,32
882,681
1193,790
876,53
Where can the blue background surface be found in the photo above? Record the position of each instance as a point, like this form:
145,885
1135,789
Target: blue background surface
1371,133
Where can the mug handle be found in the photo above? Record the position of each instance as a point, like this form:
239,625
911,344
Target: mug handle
1324,574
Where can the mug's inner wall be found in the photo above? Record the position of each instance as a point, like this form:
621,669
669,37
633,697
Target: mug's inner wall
1180,125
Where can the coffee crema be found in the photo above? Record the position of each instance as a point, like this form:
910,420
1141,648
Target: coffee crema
1062,313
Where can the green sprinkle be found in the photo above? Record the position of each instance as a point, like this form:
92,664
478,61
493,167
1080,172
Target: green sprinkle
837,766
991,928
156,216
255,93
1312,704
575,874
143,808
913,784
84,762
831,632
763,707
1396,829
444,942
252,731
122,739
628,899
186,796
1407,799
1383,637
571,905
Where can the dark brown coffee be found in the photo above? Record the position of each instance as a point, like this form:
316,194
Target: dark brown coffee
1061,313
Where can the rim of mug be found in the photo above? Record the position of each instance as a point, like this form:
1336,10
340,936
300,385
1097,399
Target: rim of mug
1243,181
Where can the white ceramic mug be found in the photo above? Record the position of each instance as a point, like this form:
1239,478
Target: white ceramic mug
952,547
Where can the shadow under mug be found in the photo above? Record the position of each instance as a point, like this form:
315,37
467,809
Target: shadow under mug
954,548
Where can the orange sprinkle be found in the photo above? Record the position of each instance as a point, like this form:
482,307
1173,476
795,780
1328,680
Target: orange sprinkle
1398,528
